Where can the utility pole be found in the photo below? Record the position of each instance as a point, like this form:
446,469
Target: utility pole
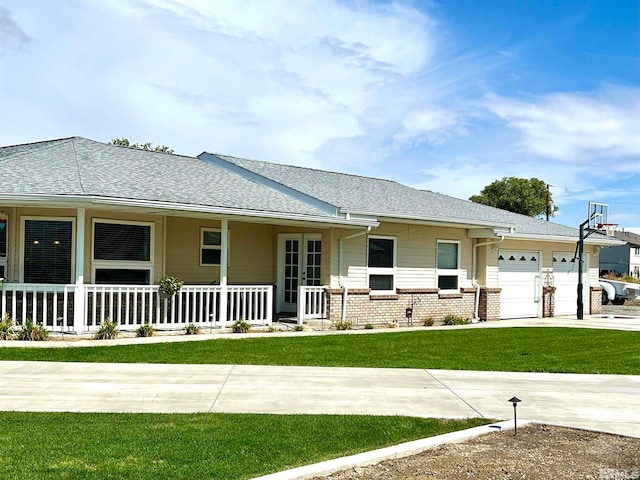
548,202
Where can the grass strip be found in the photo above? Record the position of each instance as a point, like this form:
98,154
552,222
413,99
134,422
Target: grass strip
567,350
185,446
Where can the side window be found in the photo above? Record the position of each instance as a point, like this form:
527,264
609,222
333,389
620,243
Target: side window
381,257
210,246
448,265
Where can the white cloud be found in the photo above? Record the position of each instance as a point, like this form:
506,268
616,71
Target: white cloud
432,124
576,127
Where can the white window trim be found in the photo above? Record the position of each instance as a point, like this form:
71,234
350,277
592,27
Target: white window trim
213,247
383,270
122,264
449,272
23,223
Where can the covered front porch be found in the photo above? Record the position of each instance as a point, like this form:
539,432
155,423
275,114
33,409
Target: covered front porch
122,255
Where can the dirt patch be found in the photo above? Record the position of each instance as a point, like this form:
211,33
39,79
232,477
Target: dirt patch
538,452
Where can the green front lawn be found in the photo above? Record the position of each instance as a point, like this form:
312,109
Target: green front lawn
177,446
567,350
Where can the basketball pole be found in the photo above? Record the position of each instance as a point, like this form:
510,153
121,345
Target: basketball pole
580,313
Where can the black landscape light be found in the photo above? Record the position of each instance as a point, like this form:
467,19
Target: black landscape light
514,401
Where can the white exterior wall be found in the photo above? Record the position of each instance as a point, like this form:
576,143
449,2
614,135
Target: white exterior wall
415,255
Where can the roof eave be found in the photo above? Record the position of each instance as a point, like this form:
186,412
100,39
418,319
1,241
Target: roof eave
445,221
81,200
560,238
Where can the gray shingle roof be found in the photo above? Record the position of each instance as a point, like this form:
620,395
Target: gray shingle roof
81,167
386,198
78,167
631,238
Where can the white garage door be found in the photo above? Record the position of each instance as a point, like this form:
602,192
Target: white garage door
565,279
519,278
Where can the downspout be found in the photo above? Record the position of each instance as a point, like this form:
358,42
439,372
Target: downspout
474,281
340,264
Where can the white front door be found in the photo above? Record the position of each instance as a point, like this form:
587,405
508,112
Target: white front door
299,262
519,278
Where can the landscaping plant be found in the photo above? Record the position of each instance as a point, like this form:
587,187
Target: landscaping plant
343,325
455,320
107,331
7,330
32,332
192,329
145,330
240,326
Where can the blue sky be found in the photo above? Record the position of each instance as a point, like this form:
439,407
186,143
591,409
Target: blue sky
446,96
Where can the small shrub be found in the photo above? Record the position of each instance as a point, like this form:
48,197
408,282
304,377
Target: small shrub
299,328
271,328
7,330
240,326
107,331
455,320
33,333
192,329
368,326
427,322
145,330
343,325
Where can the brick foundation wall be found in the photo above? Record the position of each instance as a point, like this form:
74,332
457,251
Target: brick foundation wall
596,300
363,308
489,305
548,301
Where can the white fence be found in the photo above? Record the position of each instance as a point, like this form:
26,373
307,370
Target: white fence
130,306
312,303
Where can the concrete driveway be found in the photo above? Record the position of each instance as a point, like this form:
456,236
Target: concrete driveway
606,402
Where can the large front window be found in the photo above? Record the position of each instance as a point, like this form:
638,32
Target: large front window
448,265
122,252
47,251
381,263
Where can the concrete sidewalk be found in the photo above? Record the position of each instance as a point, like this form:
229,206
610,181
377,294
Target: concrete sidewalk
606,402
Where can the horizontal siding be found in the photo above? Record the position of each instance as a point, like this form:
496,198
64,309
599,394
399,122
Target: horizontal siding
415,255
250,252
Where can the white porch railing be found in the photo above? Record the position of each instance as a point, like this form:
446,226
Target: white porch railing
130,306
51,305
312,303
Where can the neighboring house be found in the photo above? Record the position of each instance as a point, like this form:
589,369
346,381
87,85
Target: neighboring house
87,229
622,259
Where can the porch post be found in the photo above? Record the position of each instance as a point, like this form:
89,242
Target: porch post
78,295
224,247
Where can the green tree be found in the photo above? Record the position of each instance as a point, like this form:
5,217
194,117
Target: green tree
124,142
519,195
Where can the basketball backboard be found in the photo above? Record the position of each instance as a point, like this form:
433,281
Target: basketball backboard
597,215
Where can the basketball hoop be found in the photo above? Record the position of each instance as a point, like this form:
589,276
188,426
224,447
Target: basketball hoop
609,228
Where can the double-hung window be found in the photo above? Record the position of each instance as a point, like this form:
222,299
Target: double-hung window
122,252
381,261
211,246
448,265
